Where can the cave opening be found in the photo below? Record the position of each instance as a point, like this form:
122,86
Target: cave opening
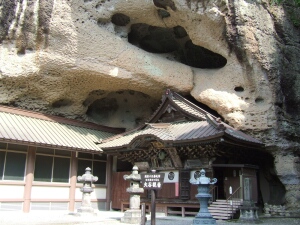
126,108
61,103
176,43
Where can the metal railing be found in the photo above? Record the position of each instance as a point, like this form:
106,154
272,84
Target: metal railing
234,200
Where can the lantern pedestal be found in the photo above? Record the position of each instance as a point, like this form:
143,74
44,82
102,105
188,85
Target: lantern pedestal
248,212
86,206
133,215
203,182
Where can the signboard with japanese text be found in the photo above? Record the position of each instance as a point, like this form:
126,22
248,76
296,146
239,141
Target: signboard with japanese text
152,181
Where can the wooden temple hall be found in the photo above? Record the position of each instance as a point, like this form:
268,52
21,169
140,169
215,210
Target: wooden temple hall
42,155
179,140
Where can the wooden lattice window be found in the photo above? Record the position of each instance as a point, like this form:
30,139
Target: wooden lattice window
184,176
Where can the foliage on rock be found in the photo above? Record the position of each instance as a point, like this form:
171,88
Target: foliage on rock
294,14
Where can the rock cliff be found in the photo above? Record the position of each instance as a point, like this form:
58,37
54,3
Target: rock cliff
109,62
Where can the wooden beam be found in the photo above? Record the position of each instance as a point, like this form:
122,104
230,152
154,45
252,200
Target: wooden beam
175,157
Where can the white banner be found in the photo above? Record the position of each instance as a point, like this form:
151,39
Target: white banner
171,176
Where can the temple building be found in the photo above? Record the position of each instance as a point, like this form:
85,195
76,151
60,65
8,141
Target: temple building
179,140
41,156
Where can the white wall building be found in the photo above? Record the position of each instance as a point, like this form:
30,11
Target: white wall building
41,157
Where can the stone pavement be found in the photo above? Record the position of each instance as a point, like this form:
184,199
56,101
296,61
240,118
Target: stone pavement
109,218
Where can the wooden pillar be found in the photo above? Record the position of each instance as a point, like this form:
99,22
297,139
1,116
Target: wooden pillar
153,206
242,185
29,179
73,181
109,168
114,163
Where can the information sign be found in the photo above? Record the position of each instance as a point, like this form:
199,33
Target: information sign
152,181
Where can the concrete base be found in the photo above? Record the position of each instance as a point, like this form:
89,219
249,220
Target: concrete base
248,214
86,211
204,221
132,216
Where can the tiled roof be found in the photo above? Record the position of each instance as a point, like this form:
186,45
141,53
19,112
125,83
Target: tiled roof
30,128
203,127
174,100
187,108
176,133
240,135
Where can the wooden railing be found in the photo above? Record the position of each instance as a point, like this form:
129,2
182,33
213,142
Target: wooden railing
214,193
234,199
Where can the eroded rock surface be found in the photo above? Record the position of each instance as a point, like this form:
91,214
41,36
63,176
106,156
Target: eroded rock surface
110,61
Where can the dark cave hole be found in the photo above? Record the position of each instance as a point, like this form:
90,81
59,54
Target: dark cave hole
199,57
103,106
120,19
163,13
21,50
176,42
61,102
259,100
239,89
95,94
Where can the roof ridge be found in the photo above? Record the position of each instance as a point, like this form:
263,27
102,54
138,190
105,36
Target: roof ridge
190,104
157,110
215,122
172,96
183,122
58,119
121,134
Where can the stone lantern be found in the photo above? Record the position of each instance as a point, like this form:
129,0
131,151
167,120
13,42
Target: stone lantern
248,211
203,182
86,190
133,215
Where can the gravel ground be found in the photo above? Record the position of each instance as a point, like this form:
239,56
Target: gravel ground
110,218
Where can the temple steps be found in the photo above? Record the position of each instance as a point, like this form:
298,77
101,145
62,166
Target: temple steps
223,210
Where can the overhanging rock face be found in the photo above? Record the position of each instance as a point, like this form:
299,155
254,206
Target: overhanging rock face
89,46
238,58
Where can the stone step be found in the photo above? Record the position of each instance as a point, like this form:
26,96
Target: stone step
224,200
224,203
223,207
227,203
223,210
220,210
222,217
220,214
